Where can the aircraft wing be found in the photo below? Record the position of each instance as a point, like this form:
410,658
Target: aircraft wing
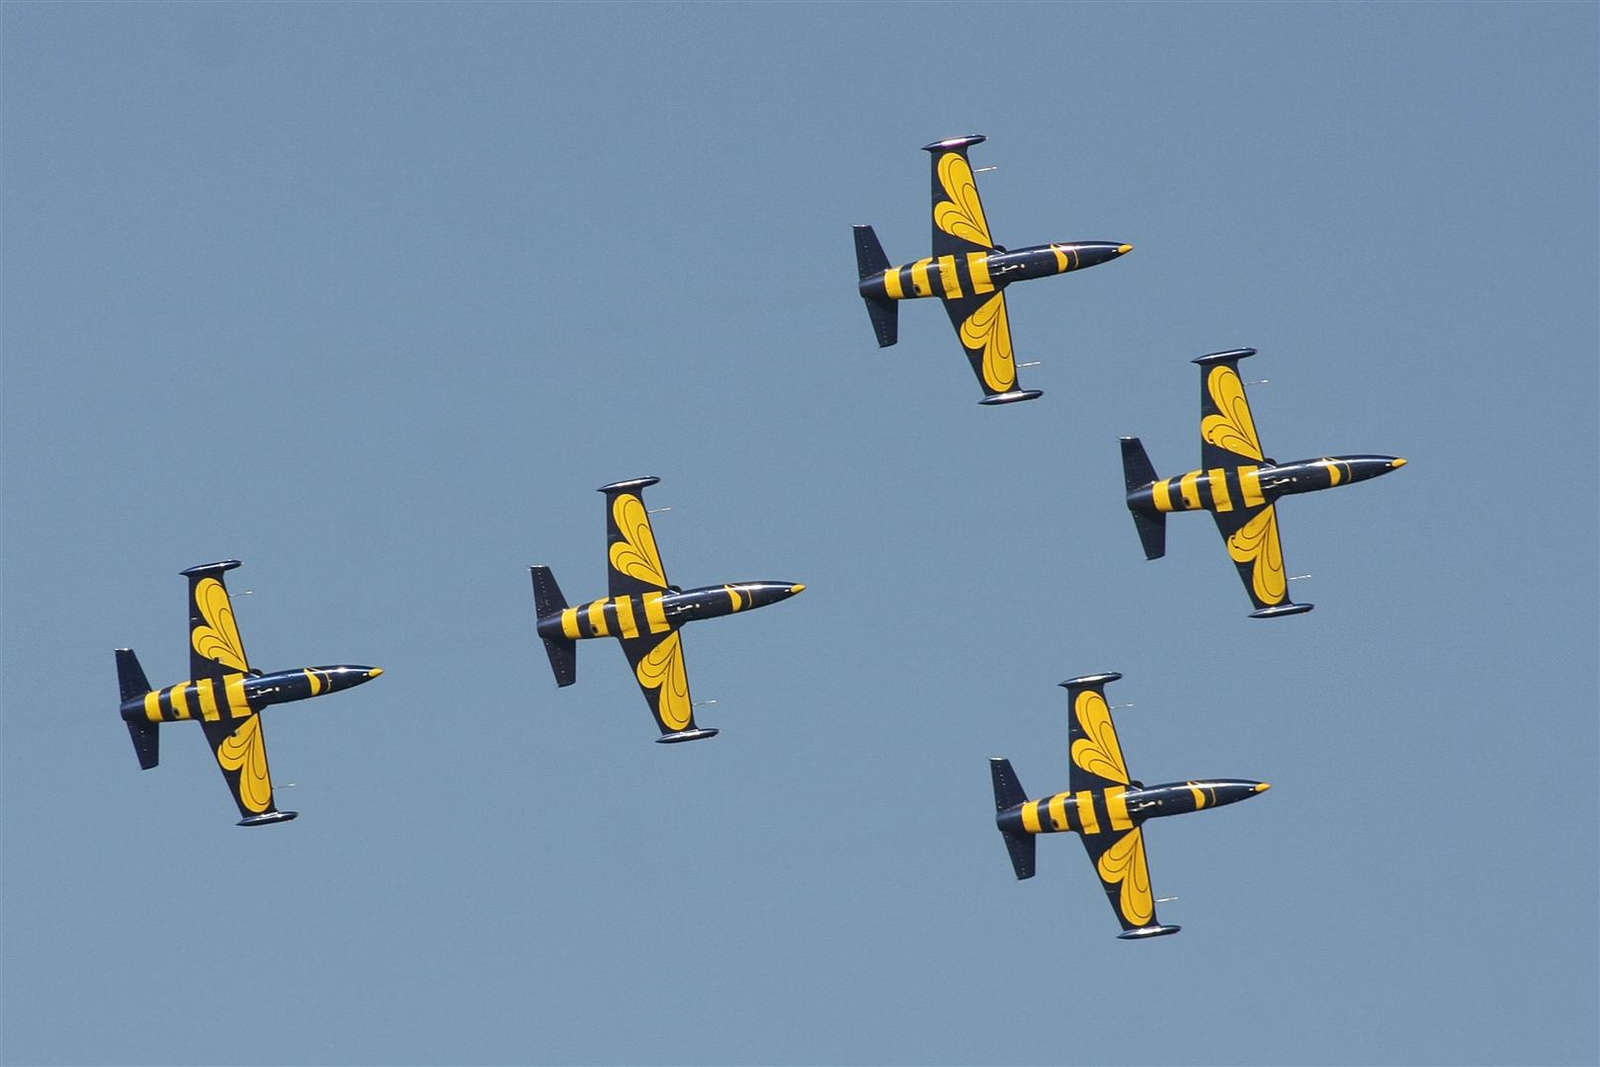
1118,859
241,752
1251,536
1097,761
985,333
1227,432
632,560
959,225
215,647
658,667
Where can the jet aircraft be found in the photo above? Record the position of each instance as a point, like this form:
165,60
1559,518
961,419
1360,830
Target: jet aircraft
643,612
968,272
1237,484
226,694
1105,807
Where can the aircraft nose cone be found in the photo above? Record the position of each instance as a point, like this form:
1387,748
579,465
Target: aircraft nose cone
796,588
1262,787
373,672
1123,250
1396,463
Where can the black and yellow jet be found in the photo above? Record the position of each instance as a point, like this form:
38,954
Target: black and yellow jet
643,612
1237,484
968,271
1105,807
225,694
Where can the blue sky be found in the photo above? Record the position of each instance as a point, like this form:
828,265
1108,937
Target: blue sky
372,297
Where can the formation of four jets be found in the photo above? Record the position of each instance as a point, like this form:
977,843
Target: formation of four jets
968,272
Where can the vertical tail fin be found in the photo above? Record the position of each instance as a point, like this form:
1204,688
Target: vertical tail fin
1008,794
145,735
1138,473
548,604
870,261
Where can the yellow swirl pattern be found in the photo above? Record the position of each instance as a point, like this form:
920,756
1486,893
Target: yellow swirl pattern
987,330
961,213
1257,542
218,639
244,751
1124,864
662,668
1098,751
635,555
1231,428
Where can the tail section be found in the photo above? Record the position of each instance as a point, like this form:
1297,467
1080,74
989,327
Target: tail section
548,603
1138,473
1008,794
870,262
145,736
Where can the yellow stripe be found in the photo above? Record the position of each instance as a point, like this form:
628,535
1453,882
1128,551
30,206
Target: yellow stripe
1250,485
1086,815
1190,490
1219,489
1117,808
1058,811
152,706
653,613
238,706
1161,494
891,284
180,700
1061,259
625,617
978,267
569,624
1199,796
947,275
919,277
208,700
1030,816
316,683
597,618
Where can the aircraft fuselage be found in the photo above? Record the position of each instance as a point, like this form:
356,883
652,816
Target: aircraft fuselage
1096,811
978,273
659,612
236,695
1227,488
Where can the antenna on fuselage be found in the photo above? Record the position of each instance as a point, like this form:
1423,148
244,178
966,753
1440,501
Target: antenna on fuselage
1035,363
656,511
985,170
1130,704
1297,577
1165,900
1260,381
702,703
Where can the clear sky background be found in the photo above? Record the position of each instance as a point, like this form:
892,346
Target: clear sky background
373,297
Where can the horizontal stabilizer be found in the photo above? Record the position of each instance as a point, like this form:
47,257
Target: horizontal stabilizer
146,742
1008,794
1007,790
548,603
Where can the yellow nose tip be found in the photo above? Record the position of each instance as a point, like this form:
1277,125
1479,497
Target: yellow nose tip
1262,787
374,672
1123,250
797,589
1397,463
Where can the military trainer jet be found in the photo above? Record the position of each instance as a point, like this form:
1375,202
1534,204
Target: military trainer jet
1238,485
225,694
1104,807
642,612
968,272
